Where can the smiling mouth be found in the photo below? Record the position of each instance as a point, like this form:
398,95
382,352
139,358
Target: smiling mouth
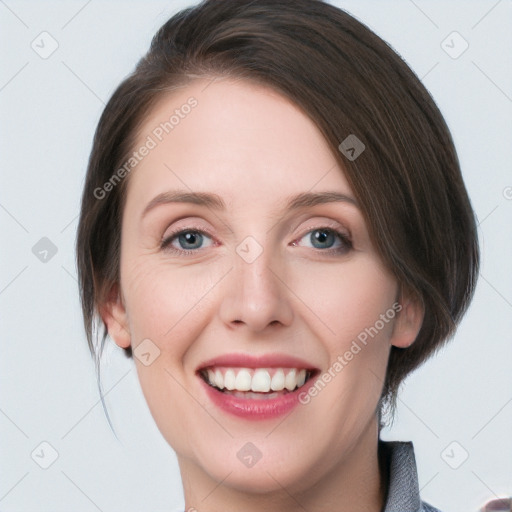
259,383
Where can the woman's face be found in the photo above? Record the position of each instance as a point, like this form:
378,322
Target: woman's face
244,280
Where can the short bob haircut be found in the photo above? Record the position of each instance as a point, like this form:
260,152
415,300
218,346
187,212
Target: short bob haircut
348,81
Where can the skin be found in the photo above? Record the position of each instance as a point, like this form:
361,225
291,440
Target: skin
254,148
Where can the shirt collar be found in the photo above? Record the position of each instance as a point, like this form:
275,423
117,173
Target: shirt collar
403,488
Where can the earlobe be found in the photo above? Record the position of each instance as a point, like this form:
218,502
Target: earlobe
408,321
113,314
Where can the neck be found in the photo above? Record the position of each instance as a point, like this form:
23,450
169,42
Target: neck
356,481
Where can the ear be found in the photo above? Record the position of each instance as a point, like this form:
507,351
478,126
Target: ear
409,319
113,314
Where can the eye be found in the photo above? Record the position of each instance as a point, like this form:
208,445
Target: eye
188,241
325,239
328,240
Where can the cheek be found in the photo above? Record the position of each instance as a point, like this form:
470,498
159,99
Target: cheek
348,299
170,306
164,302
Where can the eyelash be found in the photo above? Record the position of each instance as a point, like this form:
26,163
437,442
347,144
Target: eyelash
345,240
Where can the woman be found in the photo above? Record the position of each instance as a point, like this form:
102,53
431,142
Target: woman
275,225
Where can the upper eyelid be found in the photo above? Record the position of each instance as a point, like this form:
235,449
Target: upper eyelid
334,225
341,220
326,222
331,224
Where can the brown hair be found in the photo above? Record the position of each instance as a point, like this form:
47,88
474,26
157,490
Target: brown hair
349,81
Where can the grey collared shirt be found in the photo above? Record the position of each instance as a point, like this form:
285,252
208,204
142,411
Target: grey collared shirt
403,489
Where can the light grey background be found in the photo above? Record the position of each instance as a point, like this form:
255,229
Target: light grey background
49,110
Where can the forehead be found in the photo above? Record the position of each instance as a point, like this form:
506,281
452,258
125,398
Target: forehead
239,139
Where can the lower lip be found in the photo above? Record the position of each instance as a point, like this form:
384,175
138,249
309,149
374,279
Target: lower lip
256,409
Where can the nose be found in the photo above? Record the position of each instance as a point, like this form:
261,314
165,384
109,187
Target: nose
256,294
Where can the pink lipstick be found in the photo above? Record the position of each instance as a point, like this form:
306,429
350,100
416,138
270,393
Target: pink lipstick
256,387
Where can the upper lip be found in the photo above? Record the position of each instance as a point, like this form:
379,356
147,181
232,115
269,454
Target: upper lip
256,361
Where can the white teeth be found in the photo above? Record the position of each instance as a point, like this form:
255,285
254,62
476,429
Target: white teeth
261,381
229,379
219,380
290,382
211,377
243,380
257,380
277,383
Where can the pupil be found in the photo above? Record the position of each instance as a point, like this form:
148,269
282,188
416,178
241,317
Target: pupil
188,238
321,236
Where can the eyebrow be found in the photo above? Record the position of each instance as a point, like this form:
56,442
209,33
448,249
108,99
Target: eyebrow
215,202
